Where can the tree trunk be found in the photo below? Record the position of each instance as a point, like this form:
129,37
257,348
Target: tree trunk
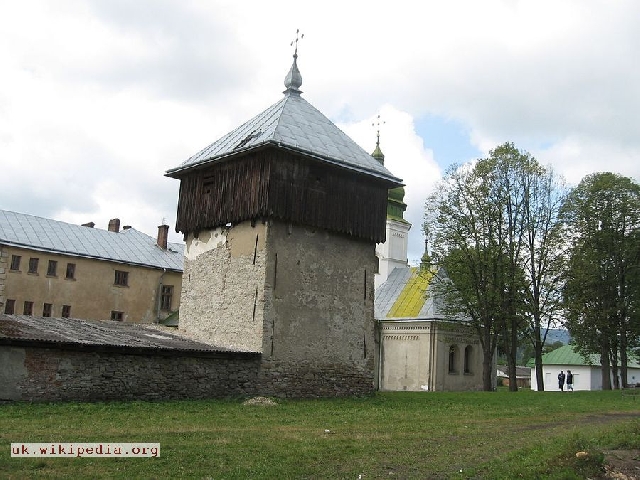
606,368
512,356
537,347
623,355
487,369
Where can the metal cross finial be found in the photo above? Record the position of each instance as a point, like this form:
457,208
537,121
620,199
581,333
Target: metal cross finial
377,124
295,53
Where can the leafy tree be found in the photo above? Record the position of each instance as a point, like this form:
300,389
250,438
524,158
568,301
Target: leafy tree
602,290
488,230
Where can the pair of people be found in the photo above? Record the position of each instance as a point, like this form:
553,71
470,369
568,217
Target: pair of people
569,379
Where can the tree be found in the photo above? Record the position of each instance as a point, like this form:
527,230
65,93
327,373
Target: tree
492,227
602,292
544,256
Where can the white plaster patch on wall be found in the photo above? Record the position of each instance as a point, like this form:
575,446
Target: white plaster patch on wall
207,240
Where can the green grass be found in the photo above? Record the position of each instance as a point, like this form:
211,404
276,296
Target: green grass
391,435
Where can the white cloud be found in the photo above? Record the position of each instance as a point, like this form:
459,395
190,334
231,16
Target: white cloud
98,98
407,158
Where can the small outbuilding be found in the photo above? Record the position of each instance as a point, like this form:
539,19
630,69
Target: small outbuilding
587,371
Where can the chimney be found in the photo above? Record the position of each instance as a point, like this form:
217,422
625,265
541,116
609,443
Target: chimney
114,225
90,224
163,234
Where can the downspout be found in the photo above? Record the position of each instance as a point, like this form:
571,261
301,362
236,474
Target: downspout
159,295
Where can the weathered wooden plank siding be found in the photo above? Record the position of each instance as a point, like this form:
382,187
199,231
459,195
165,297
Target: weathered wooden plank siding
276,184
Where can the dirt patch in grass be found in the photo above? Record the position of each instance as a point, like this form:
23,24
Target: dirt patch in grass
622,464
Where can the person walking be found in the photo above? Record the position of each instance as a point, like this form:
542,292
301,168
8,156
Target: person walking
569,380
561,377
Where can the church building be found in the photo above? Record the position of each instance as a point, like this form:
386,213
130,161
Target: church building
417,347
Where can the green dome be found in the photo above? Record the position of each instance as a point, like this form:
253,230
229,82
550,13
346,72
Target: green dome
397,194
395,204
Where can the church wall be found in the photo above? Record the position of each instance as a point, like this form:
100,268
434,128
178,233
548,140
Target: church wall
405,354
318,325
456,379
223,287
415,356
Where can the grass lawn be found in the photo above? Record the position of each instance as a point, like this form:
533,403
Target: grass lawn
391,435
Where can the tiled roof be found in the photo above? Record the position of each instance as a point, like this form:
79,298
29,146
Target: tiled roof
128,246
294,124
404,295
69,331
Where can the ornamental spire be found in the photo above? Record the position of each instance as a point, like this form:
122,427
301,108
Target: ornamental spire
377,153
293,80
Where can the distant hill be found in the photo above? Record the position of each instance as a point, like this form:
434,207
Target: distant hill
558,335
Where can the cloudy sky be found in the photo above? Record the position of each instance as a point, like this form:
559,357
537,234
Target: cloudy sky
99,98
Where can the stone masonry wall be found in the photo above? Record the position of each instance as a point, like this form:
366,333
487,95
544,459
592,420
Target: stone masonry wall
318,313
223,287
48,374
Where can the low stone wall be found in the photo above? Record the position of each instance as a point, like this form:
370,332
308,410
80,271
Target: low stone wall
309,380
38,373
58,374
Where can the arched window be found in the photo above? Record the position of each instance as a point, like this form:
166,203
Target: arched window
453,358
467,358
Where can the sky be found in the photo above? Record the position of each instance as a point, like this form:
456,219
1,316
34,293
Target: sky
98,99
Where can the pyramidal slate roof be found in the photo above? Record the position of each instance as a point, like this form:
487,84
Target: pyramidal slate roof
293,124
127,246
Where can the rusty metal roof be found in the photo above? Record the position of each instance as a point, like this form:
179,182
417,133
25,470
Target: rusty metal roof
72,331
128,246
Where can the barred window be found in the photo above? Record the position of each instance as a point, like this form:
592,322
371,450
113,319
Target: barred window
15,262
467,358
33,265
52,268
10,307
28,308
66,311
453,359
117,316
166,297
122,278
46,309
71,271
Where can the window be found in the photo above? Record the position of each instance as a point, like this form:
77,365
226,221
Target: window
46,310
52,268
28,308
10,307
122,278
66,311
166,297
15,262
117,316
71,271
467,359
33,265
453,354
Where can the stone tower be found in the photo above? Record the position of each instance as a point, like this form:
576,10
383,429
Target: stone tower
280,218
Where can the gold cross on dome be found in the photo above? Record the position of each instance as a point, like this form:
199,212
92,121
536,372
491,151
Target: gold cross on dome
377,125
296,40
